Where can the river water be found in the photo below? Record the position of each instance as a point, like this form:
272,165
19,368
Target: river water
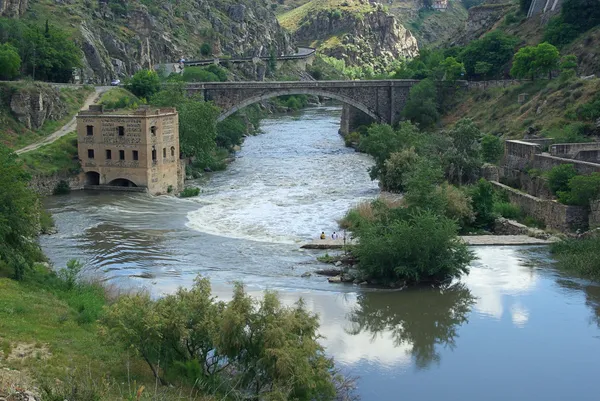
513,329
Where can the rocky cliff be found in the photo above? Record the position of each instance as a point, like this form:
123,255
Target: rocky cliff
34,104
357,37
118,37
12,8
482,19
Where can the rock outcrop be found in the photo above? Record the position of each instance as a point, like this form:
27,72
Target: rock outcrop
12,8
119,38
359,38
482,19
33,104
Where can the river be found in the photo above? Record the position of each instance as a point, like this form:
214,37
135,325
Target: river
513,329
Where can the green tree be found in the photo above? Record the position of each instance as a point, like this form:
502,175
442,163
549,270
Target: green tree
483,69
205,49
581,190
422,104
583,14
416,247
559,177
482,195
198,129
492,148
558,32
531,61
396,166
496,49
568,67
19,216
421,185
524,63
453,70
10,62
463,159
546,59
144,84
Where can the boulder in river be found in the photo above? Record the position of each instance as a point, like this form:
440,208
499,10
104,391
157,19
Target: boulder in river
335,279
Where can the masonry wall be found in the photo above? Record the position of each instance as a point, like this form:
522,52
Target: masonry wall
520,155
553,214
44,184
547,162
594,218
571,150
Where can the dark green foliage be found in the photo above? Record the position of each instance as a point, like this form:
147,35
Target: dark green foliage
579,256
62,188
425,65
482,195
507,210
492,148
46,51
568,67
19,216
10,62
583,14
189,192
422,105
212,73
144,84
496,49
589,111
463,159
256,348
559,176
412,246
558,32
581,190
205,49
230,132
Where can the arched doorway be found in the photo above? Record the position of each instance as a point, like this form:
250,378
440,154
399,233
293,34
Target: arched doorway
92,178
122,182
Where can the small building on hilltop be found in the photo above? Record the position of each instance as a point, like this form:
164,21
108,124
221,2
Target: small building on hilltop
130,149
439,5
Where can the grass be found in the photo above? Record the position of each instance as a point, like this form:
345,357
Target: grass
64,348
189,192
578,256
15,134
365,211
57,157
117,98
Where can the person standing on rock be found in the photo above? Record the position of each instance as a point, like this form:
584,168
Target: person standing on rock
323,236
334,235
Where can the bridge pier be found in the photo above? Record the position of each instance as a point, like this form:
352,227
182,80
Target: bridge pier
353,118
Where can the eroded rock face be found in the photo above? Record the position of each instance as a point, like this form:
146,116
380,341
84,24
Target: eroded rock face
12,8
374,34
166,33
33,105
481,19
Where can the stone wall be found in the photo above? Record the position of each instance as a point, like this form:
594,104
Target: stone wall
520,155
571,150
44,185
554,215
499,83
546,162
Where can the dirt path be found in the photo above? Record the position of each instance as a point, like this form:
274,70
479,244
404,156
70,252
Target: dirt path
68,127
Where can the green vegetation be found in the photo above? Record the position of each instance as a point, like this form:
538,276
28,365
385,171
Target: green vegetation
58,157
581,190
493,52
119,98
44,53
144,84
559,177
212,73
576,17
492,148
578,256
189,192
14,133
244,347
422,104
10,62
294,18
533,61
19,217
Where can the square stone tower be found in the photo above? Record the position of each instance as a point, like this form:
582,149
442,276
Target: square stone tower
127,149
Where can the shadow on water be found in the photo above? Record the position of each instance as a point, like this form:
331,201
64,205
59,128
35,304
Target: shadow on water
421,318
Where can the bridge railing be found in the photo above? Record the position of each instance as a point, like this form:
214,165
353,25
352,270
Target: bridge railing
207,61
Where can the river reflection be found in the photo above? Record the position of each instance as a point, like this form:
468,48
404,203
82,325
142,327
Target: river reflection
421,319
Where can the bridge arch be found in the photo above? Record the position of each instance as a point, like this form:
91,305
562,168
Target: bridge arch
299,91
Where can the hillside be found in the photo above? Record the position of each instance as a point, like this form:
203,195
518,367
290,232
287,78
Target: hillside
118,37
357,31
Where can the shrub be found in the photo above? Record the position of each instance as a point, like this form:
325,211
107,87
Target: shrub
458,205
418,247
144,84
559,176
62,188
482,195
492,148
10,62
189,192
205,49
257,348
579,256
507,210
396,166
558,32
352,139
46,222
422,104
581,190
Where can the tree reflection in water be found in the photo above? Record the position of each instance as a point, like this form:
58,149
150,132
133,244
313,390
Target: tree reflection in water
422,318
591,292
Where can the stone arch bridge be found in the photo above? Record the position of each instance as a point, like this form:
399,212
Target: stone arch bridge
382,100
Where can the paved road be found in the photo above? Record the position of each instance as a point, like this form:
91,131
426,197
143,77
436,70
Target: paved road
68,127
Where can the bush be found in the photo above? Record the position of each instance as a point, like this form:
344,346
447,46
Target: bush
422,104
482,195
492,148
46,222
205,49
578,256
559,176
507,210
395,168
10,62
261,349
415,247
189,192
62,188
581,190
558,32
144,84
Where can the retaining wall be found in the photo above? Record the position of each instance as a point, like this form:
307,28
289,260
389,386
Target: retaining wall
554,215
546,162
571,150
44,184
594,214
